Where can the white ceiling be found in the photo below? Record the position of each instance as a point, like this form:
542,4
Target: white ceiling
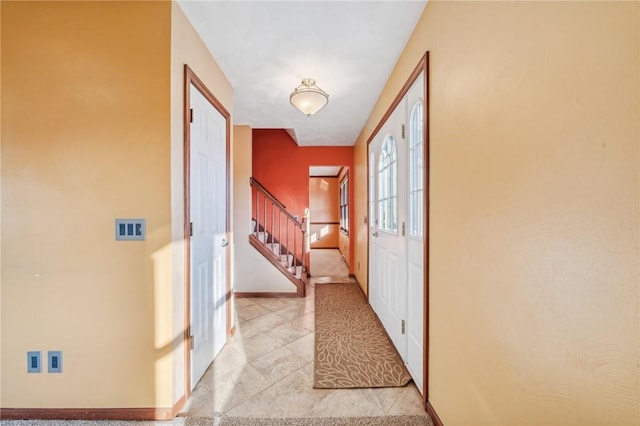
324,170
266,48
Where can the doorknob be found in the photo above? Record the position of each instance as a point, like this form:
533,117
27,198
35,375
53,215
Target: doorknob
375,234
224,242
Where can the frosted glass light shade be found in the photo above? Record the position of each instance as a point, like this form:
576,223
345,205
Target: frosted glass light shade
308,98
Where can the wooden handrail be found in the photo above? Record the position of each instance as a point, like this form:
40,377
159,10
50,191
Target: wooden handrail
254,182
281,236
274,200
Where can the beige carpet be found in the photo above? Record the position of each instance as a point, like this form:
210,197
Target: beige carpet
317,421
351,348
407,420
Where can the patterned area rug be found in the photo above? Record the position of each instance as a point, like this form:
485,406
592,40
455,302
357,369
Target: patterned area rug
351,348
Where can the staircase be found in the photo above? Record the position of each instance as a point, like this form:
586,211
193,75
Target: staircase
278,236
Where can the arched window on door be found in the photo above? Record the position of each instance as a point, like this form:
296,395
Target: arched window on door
416,170
372,190
388,186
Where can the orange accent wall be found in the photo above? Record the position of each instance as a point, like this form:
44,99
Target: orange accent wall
283,167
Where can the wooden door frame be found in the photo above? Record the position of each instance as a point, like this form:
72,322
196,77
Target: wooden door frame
421,68
190,78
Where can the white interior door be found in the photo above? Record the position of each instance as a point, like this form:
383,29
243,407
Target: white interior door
208,241
389,289
415,231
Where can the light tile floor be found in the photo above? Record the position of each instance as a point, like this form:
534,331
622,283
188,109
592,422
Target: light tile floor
327,262
266,370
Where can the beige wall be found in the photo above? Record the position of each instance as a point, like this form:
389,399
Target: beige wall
85,139
359,227
186,48
534,278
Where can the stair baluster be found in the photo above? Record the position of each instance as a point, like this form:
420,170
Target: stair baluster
268,235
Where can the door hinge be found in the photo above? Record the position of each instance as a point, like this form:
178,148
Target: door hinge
191,229
403,231
192,342
402,132
190,115
403,328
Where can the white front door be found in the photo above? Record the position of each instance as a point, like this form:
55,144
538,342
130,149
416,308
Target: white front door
389,289
373,219
415,190
208,241
396,228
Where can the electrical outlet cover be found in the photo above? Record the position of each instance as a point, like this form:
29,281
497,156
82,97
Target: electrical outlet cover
55,361
34,362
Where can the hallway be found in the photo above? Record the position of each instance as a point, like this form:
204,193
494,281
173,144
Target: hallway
266,371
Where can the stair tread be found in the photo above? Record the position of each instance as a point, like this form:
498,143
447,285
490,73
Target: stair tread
286,260
262,236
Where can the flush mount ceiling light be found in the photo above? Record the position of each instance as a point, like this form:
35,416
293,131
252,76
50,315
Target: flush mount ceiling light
308,97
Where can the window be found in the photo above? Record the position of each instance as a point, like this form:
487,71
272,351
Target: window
372,191
416,172
344,204
388,186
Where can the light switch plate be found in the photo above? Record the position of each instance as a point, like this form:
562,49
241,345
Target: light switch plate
131,229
